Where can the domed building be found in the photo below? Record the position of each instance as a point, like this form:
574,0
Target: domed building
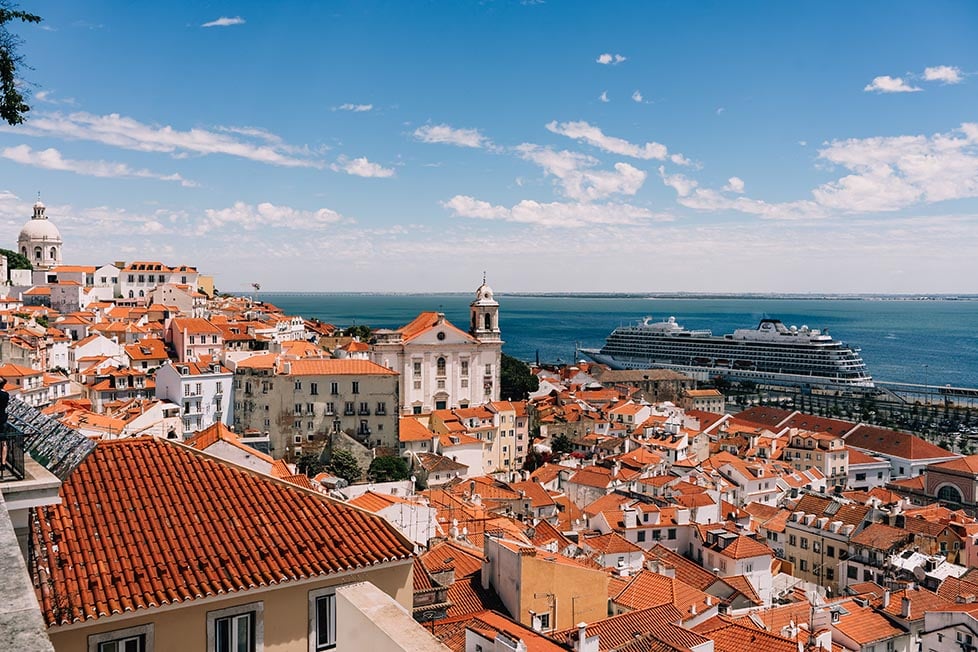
40,241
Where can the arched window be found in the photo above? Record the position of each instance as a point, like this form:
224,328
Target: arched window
949,494
37,253
488,322
23,252
54,253
130,294
440,366
141,293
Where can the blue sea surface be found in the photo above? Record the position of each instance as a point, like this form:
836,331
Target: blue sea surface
932,342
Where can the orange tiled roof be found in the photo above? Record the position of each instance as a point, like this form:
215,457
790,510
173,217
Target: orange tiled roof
123,539
425,322
338,367
648,589
896,443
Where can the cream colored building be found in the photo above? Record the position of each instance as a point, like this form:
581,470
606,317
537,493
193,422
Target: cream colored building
300,402
442,366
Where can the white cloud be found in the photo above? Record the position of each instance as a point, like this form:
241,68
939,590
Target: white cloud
451,136
51,159
361,167
128,133
356,108
225,21
48,97
266,216
887,84
887,174
894,172
608,58
735,184
575,178
944,74
552,214
592,135
637,97
604,96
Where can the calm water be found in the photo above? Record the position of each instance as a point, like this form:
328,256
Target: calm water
933,342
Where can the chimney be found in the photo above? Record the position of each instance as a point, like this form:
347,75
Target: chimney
585,643
905,607
886,598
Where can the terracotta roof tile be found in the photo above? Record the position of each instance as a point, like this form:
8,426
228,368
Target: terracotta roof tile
125,539
895,443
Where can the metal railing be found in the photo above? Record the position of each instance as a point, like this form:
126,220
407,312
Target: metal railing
11,453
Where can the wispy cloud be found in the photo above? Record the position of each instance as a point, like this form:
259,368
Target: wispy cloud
610,59
356,108
552,214
637,97
51,159
448,135
604,96
887,84
576,178
887,174
943,74
361,167
734,184
592,135
48,97
128,133
266,215
225,21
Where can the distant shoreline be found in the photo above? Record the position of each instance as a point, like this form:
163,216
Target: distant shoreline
637,295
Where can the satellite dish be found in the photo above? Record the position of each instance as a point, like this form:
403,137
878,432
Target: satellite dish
919,574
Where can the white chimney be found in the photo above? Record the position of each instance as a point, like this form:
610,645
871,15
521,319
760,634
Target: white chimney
905,607
886,598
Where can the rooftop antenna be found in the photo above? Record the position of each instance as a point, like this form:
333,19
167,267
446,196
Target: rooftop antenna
483,271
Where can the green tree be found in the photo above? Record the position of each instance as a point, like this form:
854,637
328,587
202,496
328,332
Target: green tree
16,260
12,103
561,444
361,331
516,381
388,469
342,464
310,464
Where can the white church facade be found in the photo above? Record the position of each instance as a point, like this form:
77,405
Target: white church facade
442,366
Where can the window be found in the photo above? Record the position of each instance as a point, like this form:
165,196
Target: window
440,366
641,535
803,564
298,385
792,540
672,533
830,574
852,573
132,639
236,629
830,551
314,389
322,620
356,387
464,367
334,388
417,369
381,408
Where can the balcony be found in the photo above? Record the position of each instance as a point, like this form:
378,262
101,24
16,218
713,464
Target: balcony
349,412
12,454
364,412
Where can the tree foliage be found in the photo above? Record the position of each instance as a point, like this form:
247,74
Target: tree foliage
12,103
16,260
561,444
342,464
388,469
310,464
361,331
516,381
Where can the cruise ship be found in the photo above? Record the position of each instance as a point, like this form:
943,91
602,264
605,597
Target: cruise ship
772,353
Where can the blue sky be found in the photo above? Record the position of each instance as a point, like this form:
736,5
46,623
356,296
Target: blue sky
559,146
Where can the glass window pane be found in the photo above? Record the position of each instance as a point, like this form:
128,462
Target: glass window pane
325,621
222,635
243,633
110,646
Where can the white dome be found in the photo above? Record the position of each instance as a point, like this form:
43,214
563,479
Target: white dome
39,230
